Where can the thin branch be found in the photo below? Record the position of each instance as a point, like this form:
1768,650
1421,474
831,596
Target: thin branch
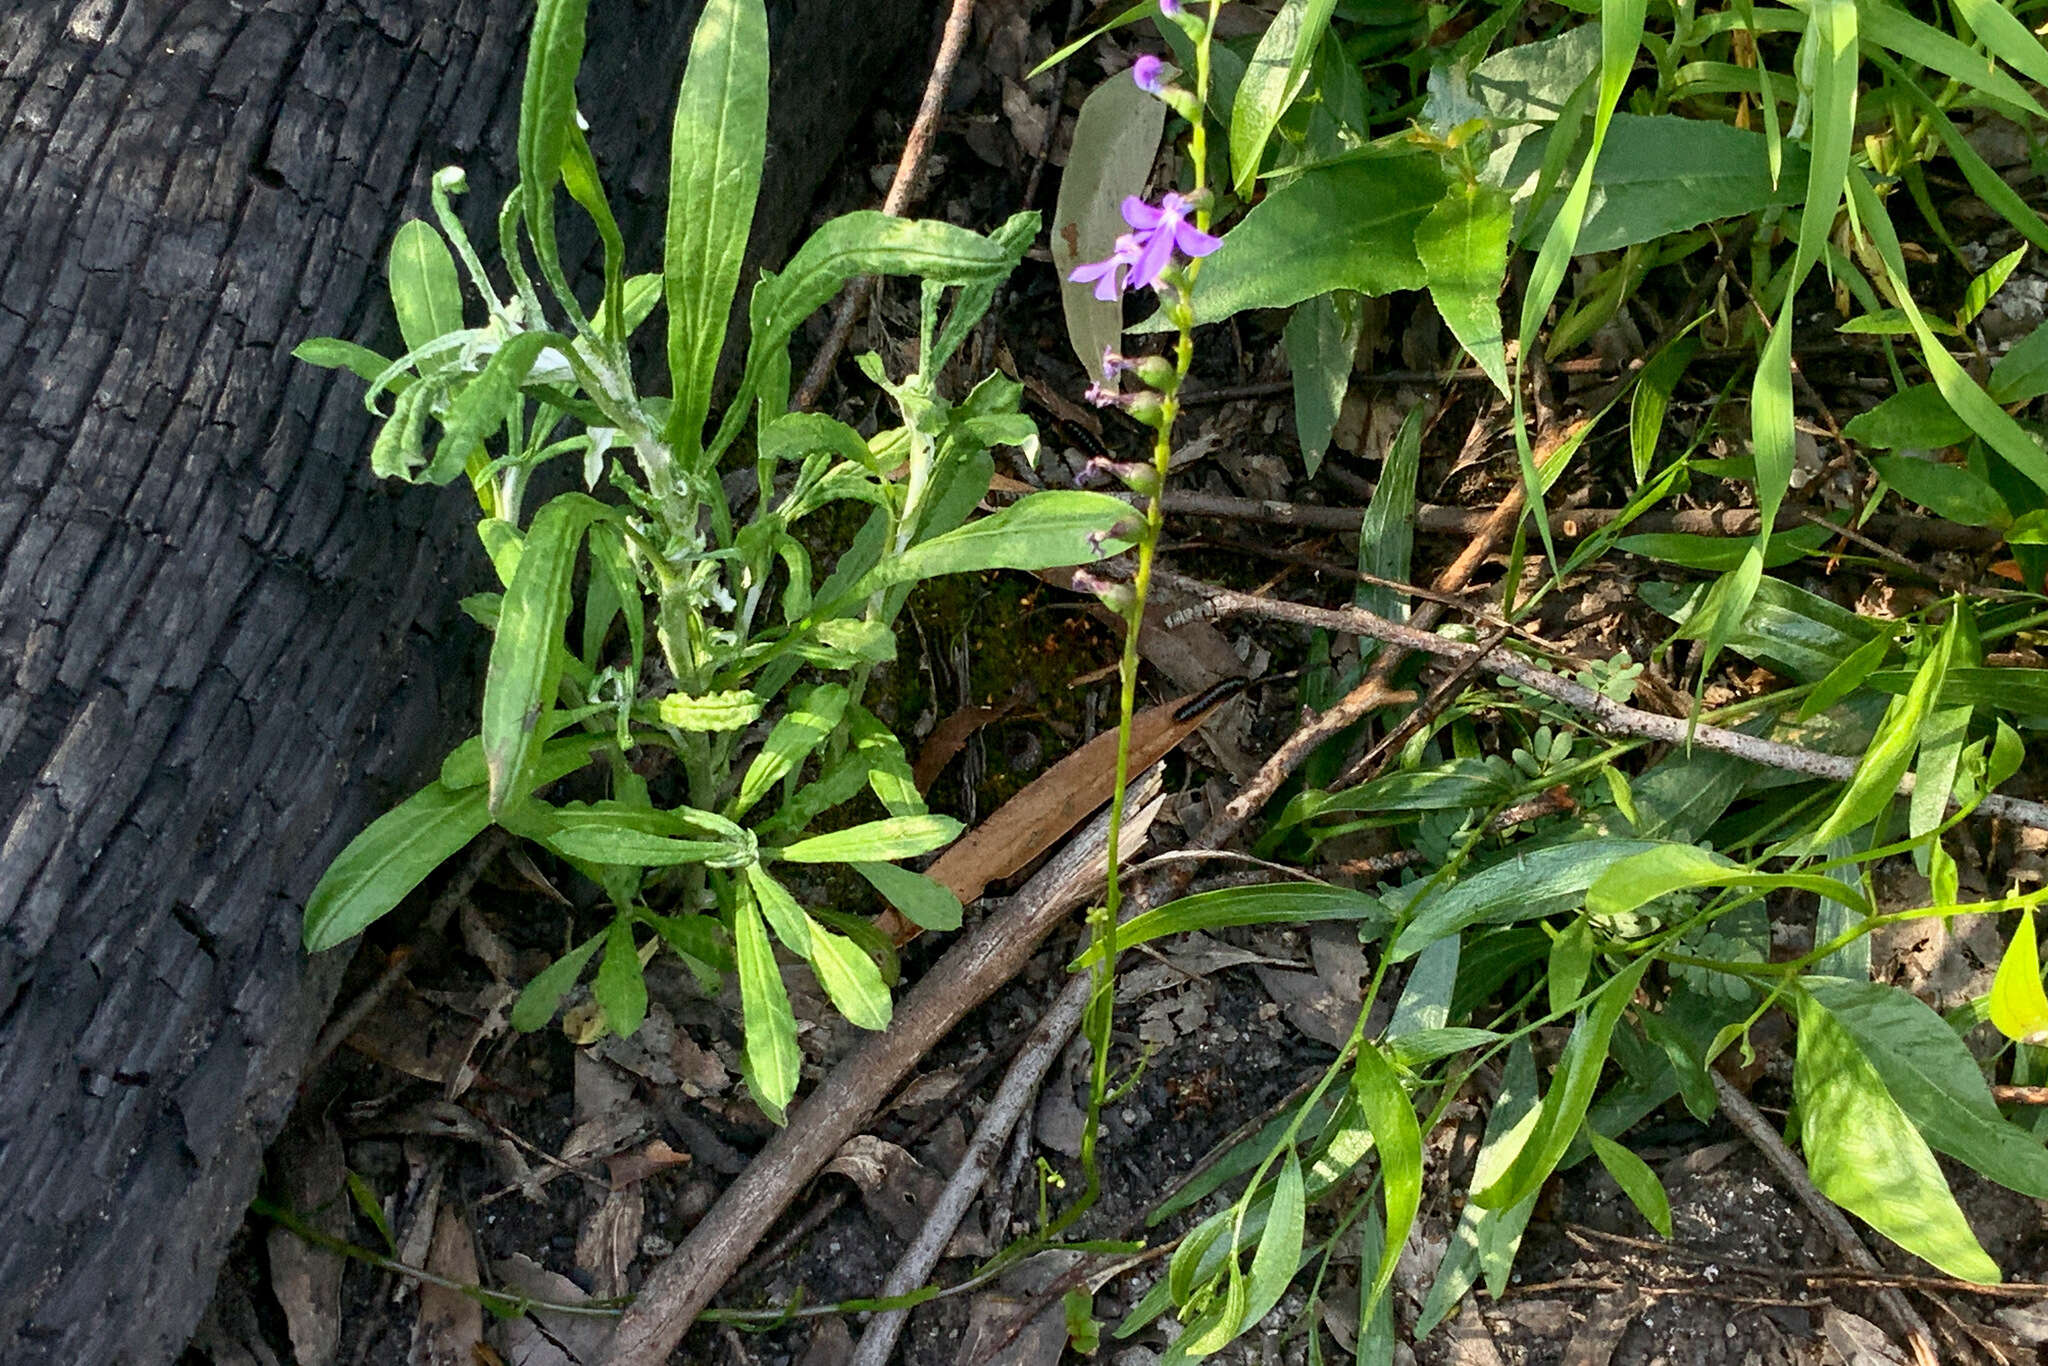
1607,715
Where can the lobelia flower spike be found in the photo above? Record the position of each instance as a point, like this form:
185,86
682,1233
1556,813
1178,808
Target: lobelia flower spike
1157,233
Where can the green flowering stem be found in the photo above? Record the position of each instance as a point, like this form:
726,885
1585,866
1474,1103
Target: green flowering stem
1096,1023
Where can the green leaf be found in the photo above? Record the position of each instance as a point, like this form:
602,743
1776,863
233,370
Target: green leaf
1525,886
547,113
484,404
1935,1079
1635,1178
923,902
1898,735
1463,246
1274,903
850,978
2019,1006
536,1004
1845,677
1279,1253
1985,286
1116,140
876,841
1386,534
426,293
1658,175
1865,1156
1986,419
1721,554
332,353
852,245
390,858
1636,881
2020,375
1571,1092
526,652
1347,226
719,711
1322,341
1398,1138
1042,531
784,915
1946,490
771,1055
715,151
1915,418
1272,81
1571,956
811,718
620,989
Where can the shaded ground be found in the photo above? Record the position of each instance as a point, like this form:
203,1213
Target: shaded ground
566,1172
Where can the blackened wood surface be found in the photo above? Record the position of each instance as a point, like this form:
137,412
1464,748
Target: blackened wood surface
223,647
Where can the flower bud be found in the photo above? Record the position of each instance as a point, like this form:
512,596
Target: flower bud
451,180
1156,372
1150,74
1117,596
1136,475
1146,406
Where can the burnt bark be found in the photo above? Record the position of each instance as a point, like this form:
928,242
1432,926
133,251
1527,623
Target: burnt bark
223,647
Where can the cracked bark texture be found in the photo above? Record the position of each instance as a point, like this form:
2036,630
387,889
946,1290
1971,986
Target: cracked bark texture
224,648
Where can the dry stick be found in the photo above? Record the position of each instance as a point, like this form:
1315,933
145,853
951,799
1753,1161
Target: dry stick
1033,1061
1605,713
841,1106
1573,523
485,848
1758,1130
902,189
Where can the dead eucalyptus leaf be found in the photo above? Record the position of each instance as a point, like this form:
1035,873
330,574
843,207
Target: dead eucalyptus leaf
450,1324
896,1188
609,1240
1116,140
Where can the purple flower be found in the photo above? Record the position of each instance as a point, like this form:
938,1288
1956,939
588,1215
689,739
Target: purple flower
1149,73
1170,8
1161,232
1147,250
1108,275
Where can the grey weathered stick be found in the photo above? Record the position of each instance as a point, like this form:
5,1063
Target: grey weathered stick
843,1103
1605,713
1037,1056
1760,1131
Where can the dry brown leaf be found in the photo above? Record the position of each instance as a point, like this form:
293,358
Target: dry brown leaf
307,1279
548,1337
410,1034
451,1324
627,1168
1037,818
896,1188
1611,1316
609,1240
946,739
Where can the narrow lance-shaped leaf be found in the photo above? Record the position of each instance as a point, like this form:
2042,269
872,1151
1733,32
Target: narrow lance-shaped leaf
1571,1092
1398,1138
547,112
1898,735
525,668
811,718
620,988
771,1053
876,841
714,180
1271,83
426,293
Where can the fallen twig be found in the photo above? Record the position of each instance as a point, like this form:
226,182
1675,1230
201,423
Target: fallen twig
902,190
1760,1131
1607,715
1571,524
679,1289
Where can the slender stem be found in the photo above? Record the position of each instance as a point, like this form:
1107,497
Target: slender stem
1103,919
